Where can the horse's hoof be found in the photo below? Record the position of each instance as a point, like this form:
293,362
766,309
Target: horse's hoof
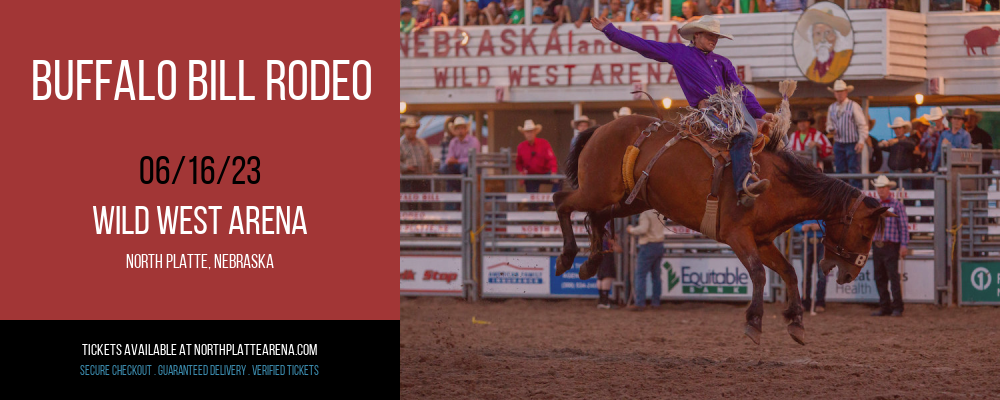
753,334
798,333
588,269
563,266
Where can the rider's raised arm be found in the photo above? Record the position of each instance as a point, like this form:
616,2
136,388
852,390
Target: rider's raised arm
748,98
663,52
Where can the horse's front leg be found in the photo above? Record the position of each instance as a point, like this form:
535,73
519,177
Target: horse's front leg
745,248
793,314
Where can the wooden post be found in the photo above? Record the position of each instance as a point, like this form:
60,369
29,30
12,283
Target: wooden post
529,6
479,129
913,112
491,132
865,168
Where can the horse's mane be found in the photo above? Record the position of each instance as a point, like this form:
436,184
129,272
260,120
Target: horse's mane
834,195
573,159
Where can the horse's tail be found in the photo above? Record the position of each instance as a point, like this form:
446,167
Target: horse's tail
573,160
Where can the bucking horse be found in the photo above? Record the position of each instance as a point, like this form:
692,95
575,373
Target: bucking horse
679,184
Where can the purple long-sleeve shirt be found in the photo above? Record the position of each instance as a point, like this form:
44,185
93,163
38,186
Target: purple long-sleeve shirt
697,72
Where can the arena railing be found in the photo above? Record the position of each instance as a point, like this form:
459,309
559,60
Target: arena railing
977,241
521,239
432,223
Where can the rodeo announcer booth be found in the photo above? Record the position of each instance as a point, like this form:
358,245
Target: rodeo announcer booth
700,72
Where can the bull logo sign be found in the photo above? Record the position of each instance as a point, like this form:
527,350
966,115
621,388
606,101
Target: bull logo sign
823,42
982,38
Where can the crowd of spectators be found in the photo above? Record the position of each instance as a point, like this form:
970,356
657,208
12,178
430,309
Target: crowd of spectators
421,14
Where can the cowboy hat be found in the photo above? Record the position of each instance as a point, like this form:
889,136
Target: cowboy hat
819,16
705,24
622,112
421,2
921,120
957,113
841,85
883,181
410,122
899,122
583,118
973,114
529,126
803,115
404,10
935,114
459,121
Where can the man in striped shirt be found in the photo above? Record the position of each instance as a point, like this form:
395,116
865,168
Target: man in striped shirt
889,245
847,121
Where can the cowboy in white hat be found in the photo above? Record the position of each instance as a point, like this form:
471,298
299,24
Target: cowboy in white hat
821,28
535,156
583,123
622,112
900,147
699,72
414,159
846,120
888,246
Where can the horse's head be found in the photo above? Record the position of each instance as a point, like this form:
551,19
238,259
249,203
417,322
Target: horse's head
848,237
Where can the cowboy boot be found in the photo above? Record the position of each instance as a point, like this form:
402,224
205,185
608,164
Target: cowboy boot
756,189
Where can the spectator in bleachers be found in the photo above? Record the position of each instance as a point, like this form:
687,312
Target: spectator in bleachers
889,4
809,229
425,15
459,149
786,5
406,21
806,138
649,259
888,246
957,136
723,7
606,271
473,15
449,14
553,12
517,14
846,120
917,135
615,12
689,12
657,13
535,157
414,159
639,13
932,134
494,11
705,7
576,12
979,136
875,155
900,148
538,13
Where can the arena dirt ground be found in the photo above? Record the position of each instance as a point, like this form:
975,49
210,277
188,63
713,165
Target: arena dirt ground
545,349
